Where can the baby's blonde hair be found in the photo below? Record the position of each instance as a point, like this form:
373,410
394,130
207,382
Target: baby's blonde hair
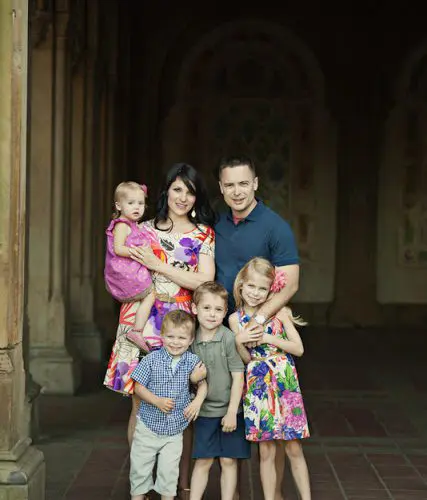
121,190
265,268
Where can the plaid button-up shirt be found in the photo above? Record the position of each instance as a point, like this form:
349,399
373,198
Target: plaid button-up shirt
155,373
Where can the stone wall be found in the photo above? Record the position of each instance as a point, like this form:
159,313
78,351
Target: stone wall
360,60
78,129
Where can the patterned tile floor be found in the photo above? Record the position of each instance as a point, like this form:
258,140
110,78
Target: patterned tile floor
367,403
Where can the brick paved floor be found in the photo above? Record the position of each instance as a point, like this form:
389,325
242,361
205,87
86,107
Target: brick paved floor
366,396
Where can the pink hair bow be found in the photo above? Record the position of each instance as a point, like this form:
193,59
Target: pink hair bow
144,188
279,282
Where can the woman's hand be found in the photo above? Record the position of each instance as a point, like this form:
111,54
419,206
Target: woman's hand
145,256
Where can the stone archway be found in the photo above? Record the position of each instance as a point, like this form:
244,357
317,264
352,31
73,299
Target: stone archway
252,87
402,199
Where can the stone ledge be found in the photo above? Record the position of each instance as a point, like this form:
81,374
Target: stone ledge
16,452
55,370
23,479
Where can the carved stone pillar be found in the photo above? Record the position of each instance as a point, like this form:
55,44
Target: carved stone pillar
85,333
22,468
51,363
106,160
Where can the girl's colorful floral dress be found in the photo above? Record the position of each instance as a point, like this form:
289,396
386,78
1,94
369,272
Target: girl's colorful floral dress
272,403
178,249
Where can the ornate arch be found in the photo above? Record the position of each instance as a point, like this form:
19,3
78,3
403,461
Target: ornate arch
271,41
402,210
252,87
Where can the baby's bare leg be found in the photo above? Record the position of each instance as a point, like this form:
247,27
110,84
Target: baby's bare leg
144,310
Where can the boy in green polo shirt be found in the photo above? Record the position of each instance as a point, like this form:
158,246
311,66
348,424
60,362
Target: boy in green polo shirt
219,432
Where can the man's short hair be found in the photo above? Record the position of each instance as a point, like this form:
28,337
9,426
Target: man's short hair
210,287
178,318
235,161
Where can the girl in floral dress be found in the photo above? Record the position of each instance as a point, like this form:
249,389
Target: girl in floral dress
273,404
181,257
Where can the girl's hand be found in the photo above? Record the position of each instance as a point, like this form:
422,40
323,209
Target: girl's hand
145,256
250,334
265,339
192,411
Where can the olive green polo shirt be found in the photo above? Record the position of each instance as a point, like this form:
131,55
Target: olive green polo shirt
221,358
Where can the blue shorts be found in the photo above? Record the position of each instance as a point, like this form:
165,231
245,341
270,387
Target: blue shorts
211,442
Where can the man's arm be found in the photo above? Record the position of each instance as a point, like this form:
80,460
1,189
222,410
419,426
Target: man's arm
280,299
284,256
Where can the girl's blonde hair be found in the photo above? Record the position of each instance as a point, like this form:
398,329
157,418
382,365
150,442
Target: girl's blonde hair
265,268
122,189
258,265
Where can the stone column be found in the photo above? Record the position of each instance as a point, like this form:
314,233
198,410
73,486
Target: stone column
22,468
355,303
106,161
84,190
51,363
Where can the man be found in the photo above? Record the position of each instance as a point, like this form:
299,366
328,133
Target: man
251,229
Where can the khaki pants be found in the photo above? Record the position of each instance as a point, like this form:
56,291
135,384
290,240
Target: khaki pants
146,447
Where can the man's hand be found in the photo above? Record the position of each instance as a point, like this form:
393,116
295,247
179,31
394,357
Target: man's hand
192,411
165,405
229,422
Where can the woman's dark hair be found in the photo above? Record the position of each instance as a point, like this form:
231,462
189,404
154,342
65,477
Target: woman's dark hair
204,213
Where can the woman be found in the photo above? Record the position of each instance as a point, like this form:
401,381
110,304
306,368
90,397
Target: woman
182,260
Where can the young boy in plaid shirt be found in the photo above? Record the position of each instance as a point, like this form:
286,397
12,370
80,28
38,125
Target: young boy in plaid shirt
163,383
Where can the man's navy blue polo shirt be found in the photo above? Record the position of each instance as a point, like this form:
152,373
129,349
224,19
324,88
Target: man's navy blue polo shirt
263,233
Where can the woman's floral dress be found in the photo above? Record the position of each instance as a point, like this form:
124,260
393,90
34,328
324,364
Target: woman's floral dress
272,403
178,249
